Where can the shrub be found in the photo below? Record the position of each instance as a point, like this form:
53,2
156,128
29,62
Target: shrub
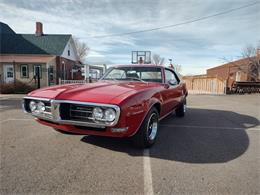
17,87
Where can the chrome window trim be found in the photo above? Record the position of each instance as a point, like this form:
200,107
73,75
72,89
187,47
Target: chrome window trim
55,104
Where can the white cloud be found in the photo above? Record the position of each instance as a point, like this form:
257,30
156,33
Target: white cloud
195,46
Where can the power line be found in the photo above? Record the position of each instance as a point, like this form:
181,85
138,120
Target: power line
178,24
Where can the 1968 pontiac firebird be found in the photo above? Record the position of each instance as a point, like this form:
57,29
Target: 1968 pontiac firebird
128,101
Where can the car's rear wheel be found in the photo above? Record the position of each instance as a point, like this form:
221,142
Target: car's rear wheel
180,111
147,133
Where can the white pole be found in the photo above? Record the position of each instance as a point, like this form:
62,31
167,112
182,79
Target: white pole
86,67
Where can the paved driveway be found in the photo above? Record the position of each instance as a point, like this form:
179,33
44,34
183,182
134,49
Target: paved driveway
214,149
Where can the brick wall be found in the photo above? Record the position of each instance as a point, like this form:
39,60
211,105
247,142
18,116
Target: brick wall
68,68
231,71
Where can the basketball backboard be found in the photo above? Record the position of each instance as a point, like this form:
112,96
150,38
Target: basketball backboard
141,57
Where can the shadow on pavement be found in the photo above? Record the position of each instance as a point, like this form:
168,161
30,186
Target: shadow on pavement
10,104
202,136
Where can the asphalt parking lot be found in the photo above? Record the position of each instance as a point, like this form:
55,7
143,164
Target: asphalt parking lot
214,149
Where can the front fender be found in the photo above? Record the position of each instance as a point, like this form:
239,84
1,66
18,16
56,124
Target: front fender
135,113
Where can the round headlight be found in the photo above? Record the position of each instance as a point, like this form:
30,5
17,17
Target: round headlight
41,107
33,106
110,114
98,113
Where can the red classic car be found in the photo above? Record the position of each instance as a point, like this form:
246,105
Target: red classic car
128,101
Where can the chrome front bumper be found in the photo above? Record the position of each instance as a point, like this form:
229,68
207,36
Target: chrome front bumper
55,116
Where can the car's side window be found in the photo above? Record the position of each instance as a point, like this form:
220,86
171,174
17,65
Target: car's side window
170,77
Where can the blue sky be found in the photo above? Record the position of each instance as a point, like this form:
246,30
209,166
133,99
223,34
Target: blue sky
196,46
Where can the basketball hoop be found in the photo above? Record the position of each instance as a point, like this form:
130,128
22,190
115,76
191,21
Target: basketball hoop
141,57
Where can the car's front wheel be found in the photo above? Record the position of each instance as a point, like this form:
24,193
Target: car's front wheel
180,111
147,133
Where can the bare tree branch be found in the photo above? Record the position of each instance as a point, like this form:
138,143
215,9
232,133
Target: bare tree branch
177,68
252,62
251,53
157,59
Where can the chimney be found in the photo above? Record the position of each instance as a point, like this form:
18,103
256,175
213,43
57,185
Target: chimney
38,31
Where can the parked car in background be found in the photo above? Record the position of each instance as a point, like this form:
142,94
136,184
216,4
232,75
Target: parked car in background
128,101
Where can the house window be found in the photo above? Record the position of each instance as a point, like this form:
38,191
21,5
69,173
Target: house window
37,68
24,71
68,52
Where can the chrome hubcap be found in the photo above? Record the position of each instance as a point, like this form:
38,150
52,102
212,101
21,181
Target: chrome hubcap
152,126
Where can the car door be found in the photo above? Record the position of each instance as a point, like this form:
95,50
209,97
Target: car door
173,91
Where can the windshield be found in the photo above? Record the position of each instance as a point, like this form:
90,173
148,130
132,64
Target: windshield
144,74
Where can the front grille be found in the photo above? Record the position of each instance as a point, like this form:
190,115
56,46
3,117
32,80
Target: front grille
76,112
80,112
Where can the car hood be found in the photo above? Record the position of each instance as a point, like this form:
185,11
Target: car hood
99,92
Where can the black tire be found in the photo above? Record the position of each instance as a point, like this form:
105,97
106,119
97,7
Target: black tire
180,111
146,135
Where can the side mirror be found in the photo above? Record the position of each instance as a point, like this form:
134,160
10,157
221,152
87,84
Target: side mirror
172,82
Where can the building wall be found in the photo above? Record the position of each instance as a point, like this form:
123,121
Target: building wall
221,72
72,51
28,80
69,64
231,71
